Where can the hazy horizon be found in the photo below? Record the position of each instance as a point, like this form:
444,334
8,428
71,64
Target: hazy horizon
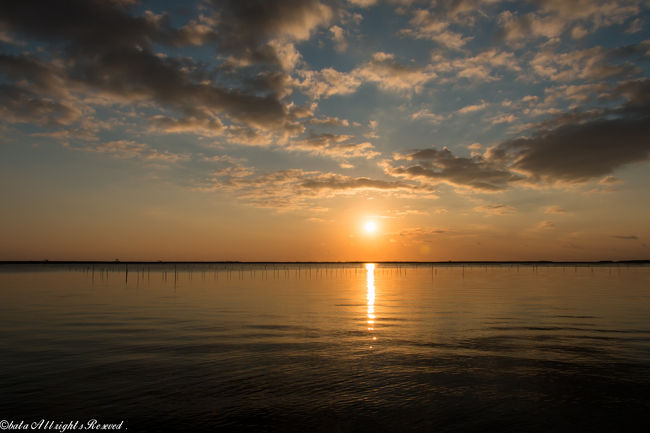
307,262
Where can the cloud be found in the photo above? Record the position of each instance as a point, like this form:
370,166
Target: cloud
436,166
297,188
248,136
36,93
626,237
9,39
126,149
428,116
400,213
579,93
555,209
427,24
577,147
250,29
363,3
419,233
89,25
495,209
515,29
300,112
635,26
242,93
286,54
382,69
327,82
483,67
329,121
609,180
503,118
87,57
338,36
34,74
334,145
572,147
200,123
552,18
544,225
442,21
598,12
594,63
580,152
21,106
579,32
472,108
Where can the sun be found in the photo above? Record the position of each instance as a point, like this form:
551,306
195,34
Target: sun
370,226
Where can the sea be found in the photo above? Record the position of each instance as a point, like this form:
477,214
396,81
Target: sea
325,347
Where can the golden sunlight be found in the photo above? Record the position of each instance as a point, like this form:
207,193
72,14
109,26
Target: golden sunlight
370,284
370,226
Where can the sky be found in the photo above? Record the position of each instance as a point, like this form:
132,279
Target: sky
278,129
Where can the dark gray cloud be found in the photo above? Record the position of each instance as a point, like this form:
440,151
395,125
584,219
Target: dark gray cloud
435,165
637,96
104,48
35,93
247,28
338,182
83,24
581,150
20,106
89,24
626,237
43,76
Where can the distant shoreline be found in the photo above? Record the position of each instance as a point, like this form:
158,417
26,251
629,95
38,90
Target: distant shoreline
388,262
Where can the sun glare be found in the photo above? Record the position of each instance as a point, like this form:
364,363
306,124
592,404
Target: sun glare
370,226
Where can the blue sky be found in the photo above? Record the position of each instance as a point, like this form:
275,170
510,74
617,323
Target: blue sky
272,130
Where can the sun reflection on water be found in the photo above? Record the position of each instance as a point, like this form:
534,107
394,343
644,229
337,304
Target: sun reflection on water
370,284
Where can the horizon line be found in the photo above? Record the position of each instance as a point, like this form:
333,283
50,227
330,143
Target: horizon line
289,262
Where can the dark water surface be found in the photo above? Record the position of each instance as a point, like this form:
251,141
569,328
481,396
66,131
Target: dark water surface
328,348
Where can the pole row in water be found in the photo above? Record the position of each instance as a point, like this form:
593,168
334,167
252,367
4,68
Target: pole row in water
136,274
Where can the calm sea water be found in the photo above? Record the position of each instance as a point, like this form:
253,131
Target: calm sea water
327,348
